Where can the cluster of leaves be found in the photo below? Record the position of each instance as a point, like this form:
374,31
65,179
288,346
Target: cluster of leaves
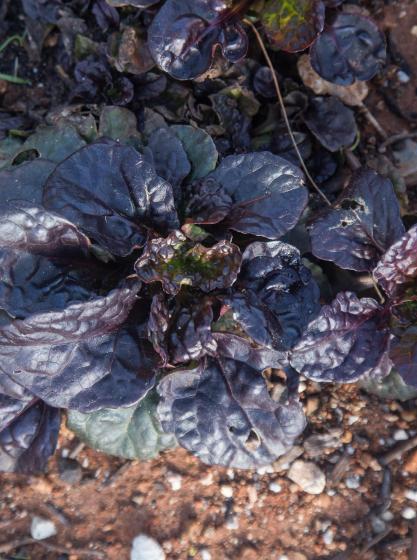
184,36
129,276
152,284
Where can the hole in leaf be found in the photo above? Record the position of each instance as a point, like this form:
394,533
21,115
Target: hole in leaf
27,155
253,441
349,204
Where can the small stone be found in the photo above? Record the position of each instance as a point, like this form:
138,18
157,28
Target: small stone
146,548
207,480
138,499
403,77
226,490
378,525
408,415
205,554
275,487
411,495
328,537
308,476
400,435
387,516
284,462
411,463
70,470
352,420
268,469
414,30
347,437
408,513
302,387
42,528
353,482
175,481
312,405
232,523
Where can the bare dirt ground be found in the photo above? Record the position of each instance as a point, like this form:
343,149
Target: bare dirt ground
193,510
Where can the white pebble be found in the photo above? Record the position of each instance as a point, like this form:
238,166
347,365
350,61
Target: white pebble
353,482
207,480
328,537
408,513
352,420
232,523
403,77
400,435
387,515
205,554
411,495
175,480
265,470
226,490
42,528
275,487
146,548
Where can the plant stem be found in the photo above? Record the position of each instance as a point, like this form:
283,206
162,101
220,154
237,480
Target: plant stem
14,79
284,112
9,40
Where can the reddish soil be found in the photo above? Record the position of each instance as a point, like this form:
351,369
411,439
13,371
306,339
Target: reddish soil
117,500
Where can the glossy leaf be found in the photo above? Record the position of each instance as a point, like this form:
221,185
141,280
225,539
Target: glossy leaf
31,228
350,48
184,33
361,226
349,340
331,122
268,194
274,271
222,412
27,443
292,25
133,432
85,357
176,262
398,266
111,193
168,156
31,283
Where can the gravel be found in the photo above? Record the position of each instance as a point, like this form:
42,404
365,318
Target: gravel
146,548
308,476
42,528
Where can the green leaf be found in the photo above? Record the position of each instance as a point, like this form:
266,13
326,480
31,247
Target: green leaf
133,432
199,147
53,143
391,387
292,25
118,123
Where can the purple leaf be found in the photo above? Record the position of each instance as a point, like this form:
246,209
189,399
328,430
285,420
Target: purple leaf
222,412
27,443
361,226
111,193
84,357
275,273
349,340
331,122
350,48
267,192
398,266
184,34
